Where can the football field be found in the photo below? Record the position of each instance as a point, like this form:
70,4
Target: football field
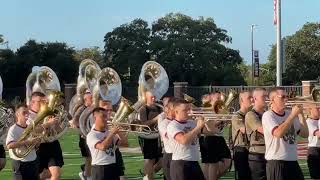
133,160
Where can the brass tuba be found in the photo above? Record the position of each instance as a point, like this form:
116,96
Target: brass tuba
88,73
44,79
108,87
153,78
47,109
41,79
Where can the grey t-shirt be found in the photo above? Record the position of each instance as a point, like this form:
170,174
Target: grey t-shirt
100,157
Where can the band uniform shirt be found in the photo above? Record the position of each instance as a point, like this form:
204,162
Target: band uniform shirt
189,152
162,127
238,138
100,157
147,113
14,134
253,121
313,126
284,148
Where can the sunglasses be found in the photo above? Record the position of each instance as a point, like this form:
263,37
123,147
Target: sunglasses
283,96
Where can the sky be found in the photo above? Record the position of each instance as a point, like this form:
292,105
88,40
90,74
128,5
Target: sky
83,23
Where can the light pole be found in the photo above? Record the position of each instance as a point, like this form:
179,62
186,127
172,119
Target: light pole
252,58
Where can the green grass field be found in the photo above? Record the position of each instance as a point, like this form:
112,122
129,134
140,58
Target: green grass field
133,162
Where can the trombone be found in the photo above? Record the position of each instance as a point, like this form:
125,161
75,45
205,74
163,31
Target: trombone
133,128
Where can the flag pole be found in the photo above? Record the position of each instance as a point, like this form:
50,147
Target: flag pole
279,51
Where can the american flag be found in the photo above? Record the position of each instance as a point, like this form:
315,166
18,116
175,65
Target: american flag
274,12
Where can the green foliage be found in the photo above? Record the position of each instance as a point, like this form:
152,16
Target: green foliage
302,53
126,49
15,67
190,50
93,53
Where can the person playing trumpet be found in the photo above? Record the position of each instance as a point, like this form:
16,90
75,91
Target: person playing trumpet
183,133
313,158
101,143
107,106
280,128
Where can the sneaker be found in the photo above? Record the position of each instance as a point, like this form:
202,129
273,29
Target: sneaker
82,177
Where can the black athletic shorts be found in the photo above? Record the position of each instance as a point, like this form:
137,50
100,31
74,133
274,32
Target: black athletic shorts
2,152
284,170
102,172
186,170
119,162
166,161
85,152
213,149
314,162
241,165
25,170
257,164
151,148
50,154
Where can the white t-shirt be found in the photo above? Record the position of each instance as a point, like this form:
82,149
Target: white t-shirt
189,152
284,148
14,133
162,127
32,116
313,126
100,157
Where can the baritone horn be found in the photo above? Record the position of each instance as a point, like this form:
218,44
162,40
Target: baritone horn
46,109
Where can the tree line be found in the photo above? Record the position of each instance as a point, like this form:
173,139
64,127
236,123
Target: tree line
191,50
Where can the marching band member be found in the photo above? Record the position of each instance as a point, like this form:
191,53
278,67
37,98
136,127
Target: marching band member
313,158
85,152
183,133
101,143
168,104
151,148
28,167
50,153
239,138
280,129
119,160
253,122
215,154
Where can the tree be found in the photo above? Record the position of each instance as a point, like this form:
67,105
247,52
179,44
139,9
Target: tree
302,53
58,56
190,50
93,53
126,49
